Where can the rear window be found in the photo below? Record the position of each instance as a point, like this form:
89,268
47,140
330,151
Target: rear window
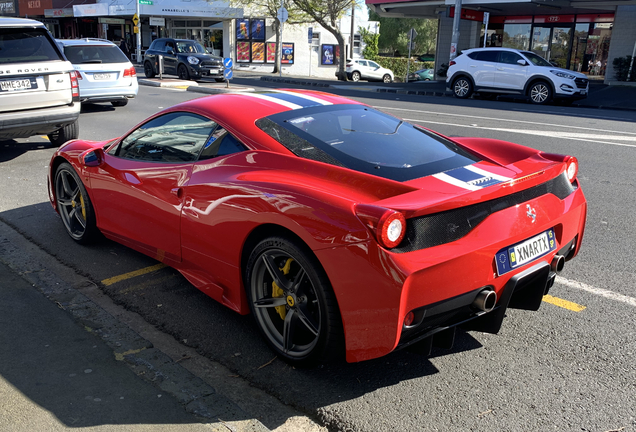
489,56
80,54
26,46
366,140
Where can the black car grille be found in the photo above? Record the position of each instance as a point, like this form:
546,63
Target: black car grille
208,64
445,227
581,82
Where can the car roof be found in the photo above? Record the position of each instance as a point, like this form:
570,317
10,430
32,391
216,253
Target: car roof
20,22
85,41
493,49
177,40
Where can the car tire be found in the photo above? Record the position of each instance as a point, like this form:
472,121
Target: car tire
300,320
540,93
120,103
386,78
149,70
74,205
68,132
462,88
183,73
219,79
355,76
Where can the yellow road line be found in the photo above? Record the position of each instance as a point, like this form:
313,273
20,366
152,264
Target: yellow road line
563,303
133,274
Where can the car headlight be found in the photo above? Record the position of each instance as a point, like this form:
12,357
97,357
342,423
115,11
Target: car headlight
562,74
193,60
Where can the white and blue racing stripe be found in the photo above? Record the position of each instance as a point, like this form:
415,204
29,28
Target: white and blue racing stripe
288,99
471,177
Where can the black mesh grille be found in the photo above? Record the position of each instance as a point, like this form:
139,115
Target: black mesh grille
445,227
581,83
211,64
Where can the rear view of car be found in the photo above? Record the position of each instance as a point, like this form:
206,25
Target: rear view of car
104,72
39,92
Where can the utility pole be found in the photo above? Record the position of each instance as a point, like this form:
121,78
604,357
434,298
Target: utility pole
353,28
138,26
456,21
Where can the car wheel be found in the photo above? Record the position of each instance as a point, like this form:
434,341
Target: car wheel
540,93
120,103
148,70
386,78
68,132
183,73
462,88
74,205
355,76
293,302
219,79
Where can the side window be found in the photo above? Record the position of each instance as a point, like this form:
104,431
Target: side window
487,55
373,64
171,138
158,45
362,62
170,44
221,143
509,57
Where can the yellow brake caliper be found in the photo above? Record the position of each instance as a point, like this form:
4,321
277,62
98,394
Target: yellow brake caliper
83,206
278,291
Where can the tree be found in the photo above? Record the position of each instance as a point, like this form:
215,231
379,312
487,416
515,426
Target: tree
370,43
327,13
394,34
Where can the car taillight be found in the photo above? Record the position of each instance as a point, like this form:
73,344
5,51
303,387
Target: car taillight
349,65
388,226
75,85
130,72
572,168
452,63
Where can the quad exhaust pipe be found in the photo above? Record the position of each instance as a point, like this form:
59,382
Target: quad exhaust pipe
485,300
557,263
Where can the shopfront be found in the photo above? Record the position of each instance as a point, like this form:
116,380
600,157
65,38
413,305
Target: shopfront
208,33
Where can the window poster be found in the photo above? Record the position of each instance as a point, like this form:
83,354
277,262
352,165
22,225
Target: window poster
327,54
242,52
288,53
271,52
242,29
258,29
258,52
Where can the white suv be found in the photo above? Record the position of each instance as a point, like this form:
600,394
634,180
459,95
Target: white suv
368,70
39,93
512,71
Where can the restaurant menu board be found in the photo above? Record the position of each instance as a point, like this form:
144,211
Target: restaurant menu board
327,54
242,29
288,53
242,52
258,52
271,52
258,29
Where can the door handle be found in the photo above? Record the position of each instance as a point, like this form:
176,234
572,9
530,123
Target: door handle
178,192
500,68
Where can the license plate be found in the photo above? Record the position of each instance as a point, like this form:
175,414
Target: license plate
19,84
101,76
527,251
583,91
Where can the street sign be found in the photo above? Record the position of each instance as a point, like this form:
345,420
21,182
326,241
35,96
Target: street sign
227,63
135,19
227,74
412,34
282,14
146,2
310,34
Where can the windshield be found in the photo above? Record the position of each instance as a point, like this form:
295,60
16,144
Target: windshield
536,59
81,54
190,47
370,141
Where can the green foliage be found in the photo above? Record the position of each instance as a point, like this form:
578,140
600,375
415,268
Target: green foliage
394,34
621,68
399,65
370,41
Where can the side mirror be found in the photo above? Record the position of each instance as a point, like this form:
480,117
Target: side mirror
554,64
93,158
170,51
522,62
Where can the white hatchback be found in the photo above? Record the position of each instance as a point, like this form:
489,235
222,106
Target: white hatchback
105,74
512,71
368,70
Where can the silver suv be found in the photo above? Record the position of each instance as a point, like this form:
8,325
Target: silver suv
39,92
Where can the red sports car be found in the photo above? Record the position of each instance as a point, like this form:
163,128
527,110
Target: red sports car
339,227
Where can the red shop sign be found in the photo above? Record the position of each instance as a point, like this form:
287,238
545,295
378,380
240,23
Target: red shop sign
553,19
596,18
511,19
467,14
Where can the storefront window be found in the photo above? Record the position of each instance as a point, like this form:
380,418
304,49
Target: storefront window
517,36
207,33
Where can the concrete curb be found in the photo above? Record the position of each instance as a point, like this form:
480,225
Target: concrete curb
193,86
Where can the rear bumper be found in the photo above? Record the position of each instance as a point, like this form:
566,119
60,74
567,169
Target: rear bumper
23,124
109,94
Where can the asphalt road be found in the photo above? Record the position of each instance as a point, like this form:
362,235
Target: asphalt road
562,368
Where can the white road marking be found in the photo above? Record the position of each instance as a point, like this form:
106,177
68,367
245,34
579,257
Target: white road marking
504,120
597,291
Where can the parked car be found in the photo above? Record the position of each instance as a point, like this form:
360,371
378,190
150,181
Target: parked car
422,75
182,57
426,57
342,229
367,70
39,93
104,72
512,71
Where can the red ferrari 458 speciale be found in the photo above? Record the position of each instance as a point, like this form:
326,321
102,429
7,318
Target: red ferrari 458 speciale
342,229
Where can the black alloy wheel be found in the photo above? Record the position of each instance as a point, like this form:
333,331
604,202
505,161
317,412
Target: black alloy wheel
293,303
74,204
540,93
183,73
148,70
462,88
